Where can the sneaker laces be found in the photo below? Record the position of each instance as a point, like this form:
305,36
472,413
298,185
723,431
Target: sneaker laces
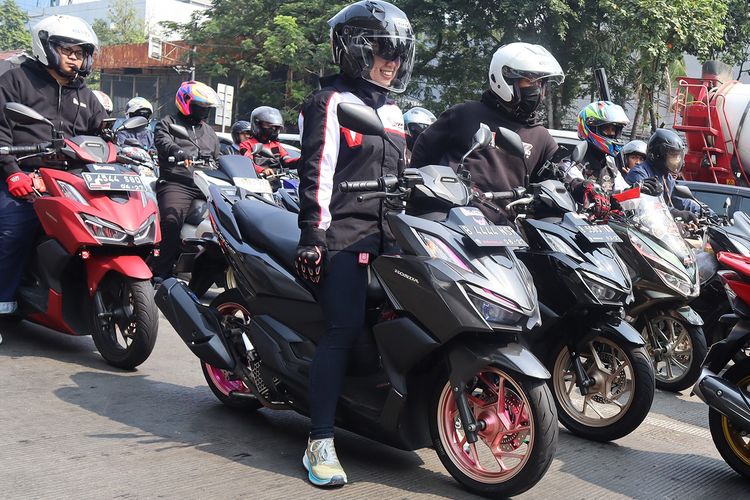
325,451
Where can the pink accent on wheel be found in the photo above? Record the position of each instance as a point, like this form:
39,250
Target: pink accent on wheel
222,382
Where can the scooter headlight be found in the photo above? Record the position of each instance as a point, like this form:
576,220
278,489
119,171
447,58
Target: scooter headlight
146,233
675,282
493,308
105,232
601,291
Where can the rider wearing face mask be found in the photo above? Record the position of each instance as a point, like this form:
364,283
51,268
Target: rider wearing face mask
518,77
175,190
266,123
665,155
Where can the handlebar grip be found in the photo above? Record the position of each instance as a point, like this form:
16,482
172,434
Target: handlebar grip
359,186
24,150
500,195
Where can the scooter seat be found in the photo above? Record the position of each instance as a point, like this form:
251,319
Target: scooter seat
268,228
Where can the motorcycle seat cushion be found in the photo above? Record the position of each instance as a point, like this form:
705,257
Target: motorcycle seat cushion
268,228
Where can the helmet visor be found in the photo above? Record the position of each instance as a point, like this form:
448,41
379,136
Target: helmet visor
533,76
390,48
674,160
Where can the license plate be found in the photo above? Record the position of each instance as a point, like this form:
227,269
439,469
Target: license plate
97,181
493,236
259,186
599,234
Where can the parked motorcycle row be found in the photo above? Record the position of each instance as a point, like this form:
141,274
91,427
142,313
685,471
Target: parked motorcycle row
479,337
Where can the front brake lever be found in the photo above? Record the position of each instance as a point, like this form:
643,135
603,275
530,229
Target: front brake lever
521,201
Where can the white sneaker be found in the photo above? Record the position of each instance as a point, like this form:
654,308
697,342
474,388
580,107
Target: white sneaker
322,464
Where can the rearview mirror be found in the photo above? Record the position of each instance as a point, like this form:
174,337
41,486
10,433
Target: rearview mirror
684,192
264,151
133,123
360,118
481,138
579,152
510,142
727,203
179,131
24,115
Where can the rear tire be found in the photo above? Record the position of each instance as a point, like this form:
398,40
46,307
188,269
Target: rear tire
732,445
125,321
219,381
530,443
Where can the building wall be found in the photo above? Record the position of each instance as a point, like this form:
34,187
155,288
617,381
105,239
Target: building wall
152,11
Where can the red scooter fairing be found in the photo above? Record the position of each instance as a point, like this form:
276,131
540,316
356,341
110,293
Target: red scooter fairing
62,214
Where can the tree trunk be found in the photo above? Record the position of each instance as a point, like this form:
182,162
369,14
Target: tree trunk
651,113
549,104
637,117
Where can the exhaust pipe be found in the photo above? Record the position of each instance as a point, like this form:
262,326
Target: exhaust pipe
198,326
724,397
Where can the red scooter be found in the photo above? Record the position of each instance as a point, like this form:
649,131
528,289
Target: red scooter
87,274
727,390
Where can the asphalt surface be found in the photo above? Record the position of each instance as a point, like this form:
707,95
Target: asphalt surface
73,427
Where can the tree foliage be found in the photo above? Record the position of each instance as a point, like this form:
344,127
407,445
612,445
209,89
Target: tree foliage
13,31
122,25
275,58
276,49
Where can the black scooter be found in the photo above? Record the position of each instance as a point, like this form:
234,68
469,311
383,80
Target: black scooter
602,378
439,363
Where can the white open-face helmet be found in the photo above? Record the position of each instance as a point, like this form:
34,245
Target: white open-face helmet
521,60
139,106
63,31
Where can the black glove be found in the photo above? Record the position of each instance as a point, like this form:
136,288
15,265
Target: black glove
686,215
591,195
651,186
309,262
179,155
108,135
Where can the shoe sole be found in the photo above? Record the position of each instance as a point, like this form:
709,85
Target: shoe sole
334,481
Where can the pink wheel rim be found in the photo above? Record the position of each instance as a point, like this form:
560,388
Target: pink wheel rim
220,378
507,440
221,381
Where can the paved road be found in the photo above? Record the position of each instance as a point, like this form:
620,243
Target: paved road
72,427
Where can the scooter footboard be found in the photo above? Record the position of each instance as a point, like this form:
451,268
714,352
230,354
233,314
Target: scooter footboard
198,326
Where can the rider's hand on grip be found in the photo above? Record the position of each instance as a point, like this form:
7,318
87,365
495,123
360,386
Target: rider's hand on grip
19,184
309,262
594,199
651,186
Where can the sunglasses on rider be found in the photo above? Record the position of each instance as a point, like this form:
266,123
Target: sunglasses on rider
391,48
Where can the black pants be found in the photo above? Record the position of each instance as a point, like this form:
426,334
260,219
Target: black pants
342,295
174,203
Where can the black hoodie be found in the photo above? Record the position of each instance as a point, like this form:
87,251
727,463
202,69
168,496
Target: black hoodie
73,108
492,169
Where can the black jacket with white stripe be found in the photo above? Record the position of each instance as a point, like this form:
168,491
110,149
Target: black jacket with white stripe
332,154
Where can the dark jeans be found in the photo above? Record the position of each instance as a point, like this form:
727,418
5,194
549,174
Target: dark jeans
342,295
174,201
18,230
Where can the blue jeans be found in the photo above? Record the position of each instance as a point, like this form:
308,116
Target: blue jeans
18,229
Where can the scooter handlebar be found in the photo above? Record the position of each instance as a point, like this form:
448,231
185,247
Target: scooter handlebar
360,186
25,150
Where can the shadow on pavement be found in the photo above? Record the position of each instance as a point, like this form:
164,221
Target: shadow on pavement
180,416
24,339
639,473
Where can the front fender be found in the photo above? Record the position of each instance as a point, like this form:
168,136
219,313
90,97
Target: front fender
467,357
686,313
131,266
622,329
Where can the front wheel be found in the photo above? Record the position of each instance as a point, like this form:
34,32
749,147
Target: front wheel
620,397
125,320
677,350
519,439
733,443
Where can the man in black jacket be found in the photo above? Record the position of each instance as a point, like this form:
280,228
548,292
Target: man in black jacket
51,83
176,190
518,76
